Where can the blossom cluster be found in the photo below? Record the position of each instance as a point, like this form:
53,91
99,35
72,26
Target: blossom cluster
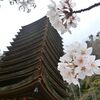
77,63
24,5
61,16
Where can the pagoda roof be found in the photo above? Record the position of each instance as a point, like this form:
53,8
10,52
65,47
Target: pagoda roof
31,63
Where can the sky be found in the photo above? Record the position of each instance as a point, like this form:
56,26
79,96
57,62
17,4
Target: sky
11,20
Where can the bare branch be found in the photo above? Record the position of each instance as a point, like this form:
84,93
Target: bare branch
86,9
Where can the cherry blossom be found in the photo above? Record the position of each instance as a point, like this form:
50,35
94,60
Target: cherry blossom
83,66
54,17
94,66
65,58
24,5
77,63
77,47
68,74
61,16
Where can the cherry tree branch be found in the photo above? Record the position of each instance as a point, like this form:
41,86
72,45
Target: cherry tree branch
86,9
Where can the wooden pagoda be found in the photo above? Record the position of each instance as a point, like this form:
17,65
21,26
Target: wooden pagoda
28,71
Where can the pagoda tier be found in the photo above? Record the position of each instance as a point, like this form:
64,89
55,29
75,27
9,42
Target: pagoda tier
28,71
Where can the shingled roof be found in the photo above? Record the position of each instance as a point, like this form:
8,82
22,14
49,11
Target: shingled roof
29,68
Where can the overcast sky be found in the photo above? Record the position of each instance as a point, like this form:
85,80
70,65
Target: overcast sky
11,20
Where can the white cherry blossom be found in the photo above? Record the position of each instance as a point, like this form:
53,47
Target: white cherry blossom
94,67
67,74
82,62
61,16
53,15
65,59
76,47
77,63
24,5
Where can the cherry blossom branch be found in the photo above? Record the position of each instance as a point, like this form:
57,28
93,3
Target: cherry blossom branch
86,9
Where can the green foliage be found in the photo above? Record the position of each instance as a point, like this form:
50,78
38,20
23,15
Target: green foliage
90,88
